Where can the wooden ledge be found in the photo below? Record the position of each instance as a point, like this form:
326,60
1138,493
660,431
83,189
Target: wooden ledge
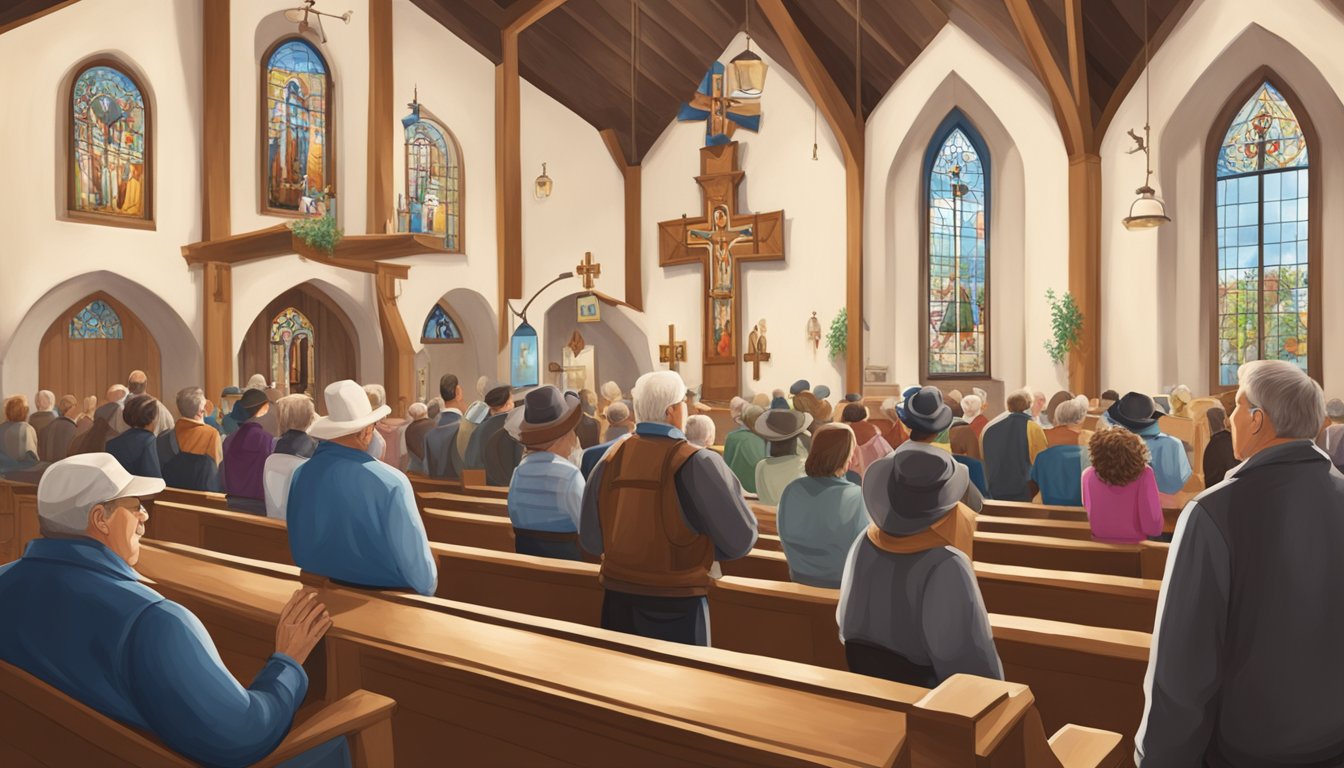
362,253
1078,747
1123,644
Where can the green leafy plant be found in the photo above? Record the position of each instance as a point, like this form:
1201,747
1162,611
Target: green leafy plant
1066,325
321,234
837,339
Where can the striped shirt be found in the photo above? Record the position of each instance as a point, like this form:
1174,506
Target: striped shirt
546,494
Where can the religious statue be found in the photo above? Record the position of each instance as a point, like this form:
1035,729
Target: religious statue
814,331
720,239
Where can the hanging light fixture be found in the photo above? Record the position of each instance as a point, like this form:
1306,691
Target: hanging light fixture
748,68
543,186
1148,211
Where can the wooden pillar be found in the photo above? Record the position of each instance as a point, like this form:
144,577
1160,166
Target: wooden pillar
217,344
382,117
1085,269
508,181
854,358
215,219
398,354
633,178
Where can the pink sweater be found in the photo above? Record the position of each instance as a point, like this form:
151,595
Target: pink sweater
1124,514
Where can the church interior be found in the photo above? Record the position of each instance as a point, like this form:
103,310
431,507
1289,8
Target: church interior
904,218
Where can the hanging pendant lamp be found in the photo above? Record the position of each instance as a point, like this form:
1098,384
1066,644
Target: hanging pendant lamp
1148,211
748,68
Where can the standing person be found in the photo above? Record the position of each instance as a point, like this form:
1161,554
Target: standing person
546,492
135,448
351,517
1010,444
1219,458
1119,490
660,511
821,515
743,449
499,399
910,609
245,454
115,645
54,441
441,457
1244,667
784,462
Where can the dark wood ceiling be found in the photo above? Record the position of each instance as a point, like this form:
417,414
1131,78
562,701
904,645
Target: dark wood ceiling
15,13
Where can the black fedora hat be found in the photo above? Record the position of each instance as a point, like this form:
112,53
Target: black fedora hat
1135,411
925,411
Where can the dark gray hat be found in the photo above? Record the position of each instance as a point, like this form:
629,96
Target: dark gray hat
910,490
925,411
775,425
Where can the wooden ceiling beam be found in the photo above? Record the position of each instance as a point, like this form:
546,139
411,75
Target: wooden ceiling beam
614,58
25,11
524,13
1131,76
1075,130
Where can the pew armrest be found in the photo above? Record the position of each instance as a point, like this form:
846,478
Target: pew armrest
1079,747
363,716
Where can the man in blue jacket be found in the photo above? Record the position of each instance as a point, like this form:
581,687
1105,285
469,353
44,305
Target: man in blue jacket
82,622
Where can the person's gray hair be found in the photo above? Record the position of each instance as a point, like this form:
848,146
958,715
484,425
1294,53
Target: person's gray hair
735,407
655,392
44,400
1294,402
434,408
256,382
617,413
971,406
611,391
377,395
700,430
295,412
1068,412
117,392
417,410
190,401
1335,408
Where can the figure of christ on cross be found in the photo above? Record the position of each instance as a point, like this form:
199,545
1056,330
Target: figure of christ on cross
719,241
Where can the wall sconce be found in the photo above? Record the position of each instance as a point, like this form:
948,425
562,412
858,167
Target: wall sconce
543,187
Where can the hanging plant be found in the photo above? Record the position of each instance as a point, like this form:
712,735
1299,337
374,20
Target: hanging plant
837,339
1066,325
320,233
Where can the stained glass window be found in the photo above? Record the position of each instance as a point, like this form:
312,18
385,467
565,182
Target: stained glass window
1261,199
96,320
298,158
439,327
293,349
433,183
958,251
108,145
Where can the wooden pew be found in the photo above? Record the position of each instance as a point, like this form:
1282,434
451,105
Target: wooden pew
423,484
44,726
1146,560
1030,526
18,518
1025,509
496,688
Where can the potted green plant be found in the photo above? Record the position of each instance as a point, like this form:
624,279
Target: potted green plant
319,233
1066,325
837,338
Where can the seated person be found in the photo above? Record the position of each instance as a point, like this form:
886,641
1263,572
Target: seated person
194,435
1219,458
387,442
1171,466
294,447
927,415
589,429
1010,444
972,411
413,437
1119,489
245,454
780,429
822,514
743,449
965,446
499,399
54,441
1068,420
871,444
619,422
546,492
700,430
18,439
910,609
136,449
1058,474
114,644
351,517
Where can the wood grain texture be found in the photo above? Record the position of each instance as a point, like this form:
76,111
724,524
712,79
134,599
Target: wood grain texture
398,354
217,322
83,367
382,118
216,217
335,355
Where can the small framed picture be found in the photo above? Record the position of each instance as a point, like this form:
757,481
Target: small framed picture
589,310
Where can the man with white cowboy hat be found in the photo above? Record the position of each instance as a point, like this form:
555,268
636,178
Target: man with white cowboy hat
79,618
660,511
910,609
351,517
783,462
546,492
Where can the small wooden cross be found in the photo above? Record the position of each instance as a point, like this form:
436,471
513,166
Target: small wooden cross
589,270
673,352
756,357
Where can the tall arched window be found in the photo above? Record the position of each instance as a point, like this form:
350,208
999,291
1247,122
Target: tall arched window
97,320
292,352
297,156
956,256
1265,249
433,182
109,151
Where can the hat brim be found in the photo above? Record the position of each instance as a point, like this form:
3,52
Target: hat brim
327,428
141,486
1113,413
530,434
918,513
942,419
763,429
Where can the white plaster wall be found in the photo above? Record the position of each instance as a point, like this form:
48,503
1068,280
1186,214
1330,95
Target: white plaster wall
1155,333
780,174
161,41
1028,216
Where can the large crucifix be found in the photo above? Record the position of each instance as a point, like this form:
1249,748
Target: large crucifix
720,241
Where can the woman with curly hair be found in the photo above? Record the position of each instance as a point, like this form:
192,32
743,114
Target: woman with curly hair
1119,489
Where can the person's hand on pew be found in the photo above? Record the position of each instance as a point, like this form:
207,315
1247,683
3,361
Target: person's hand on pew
303,621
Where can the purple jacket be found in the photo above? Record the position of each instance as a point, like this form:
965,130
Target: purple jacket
245,453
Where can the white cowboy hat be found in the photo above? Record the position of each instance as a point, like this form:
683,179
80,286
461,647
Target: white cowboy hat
348,411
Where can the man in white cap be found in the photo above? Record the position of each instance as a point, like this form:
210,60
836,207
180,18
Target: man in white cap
79,618
351,517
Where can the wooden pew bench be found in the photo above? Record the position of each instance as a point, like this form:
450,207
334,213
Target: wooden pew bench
1025,509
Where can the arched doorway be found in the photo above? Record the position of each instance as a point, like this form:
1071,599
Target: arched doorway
94,344
302,342
619,347
458,335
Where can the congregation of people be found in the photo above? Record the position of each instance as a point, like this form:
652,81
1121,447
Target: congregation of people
879,504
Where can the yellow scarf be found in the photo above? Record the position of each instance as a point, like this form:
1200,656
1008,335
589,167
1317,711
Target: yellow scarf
956,528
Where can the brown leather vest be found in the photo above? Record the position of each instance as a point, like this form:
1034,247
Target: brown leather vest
647,547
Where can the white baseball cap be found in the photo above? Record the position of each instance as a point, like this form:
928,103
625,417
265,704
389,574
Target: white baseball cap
78,483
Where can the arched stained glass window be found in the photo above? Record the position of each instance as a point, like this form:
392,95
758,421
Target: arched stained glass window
440,328
433,200
957,298
295,146
293,351
1261,177
97,320
109,146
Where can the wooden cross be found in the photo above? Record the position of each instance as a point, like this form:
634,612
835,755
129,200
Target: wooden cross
673,352
756,357
589,270
720,241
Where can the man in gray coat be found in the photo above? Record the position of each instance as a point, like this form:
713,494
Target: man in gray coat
1245,666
